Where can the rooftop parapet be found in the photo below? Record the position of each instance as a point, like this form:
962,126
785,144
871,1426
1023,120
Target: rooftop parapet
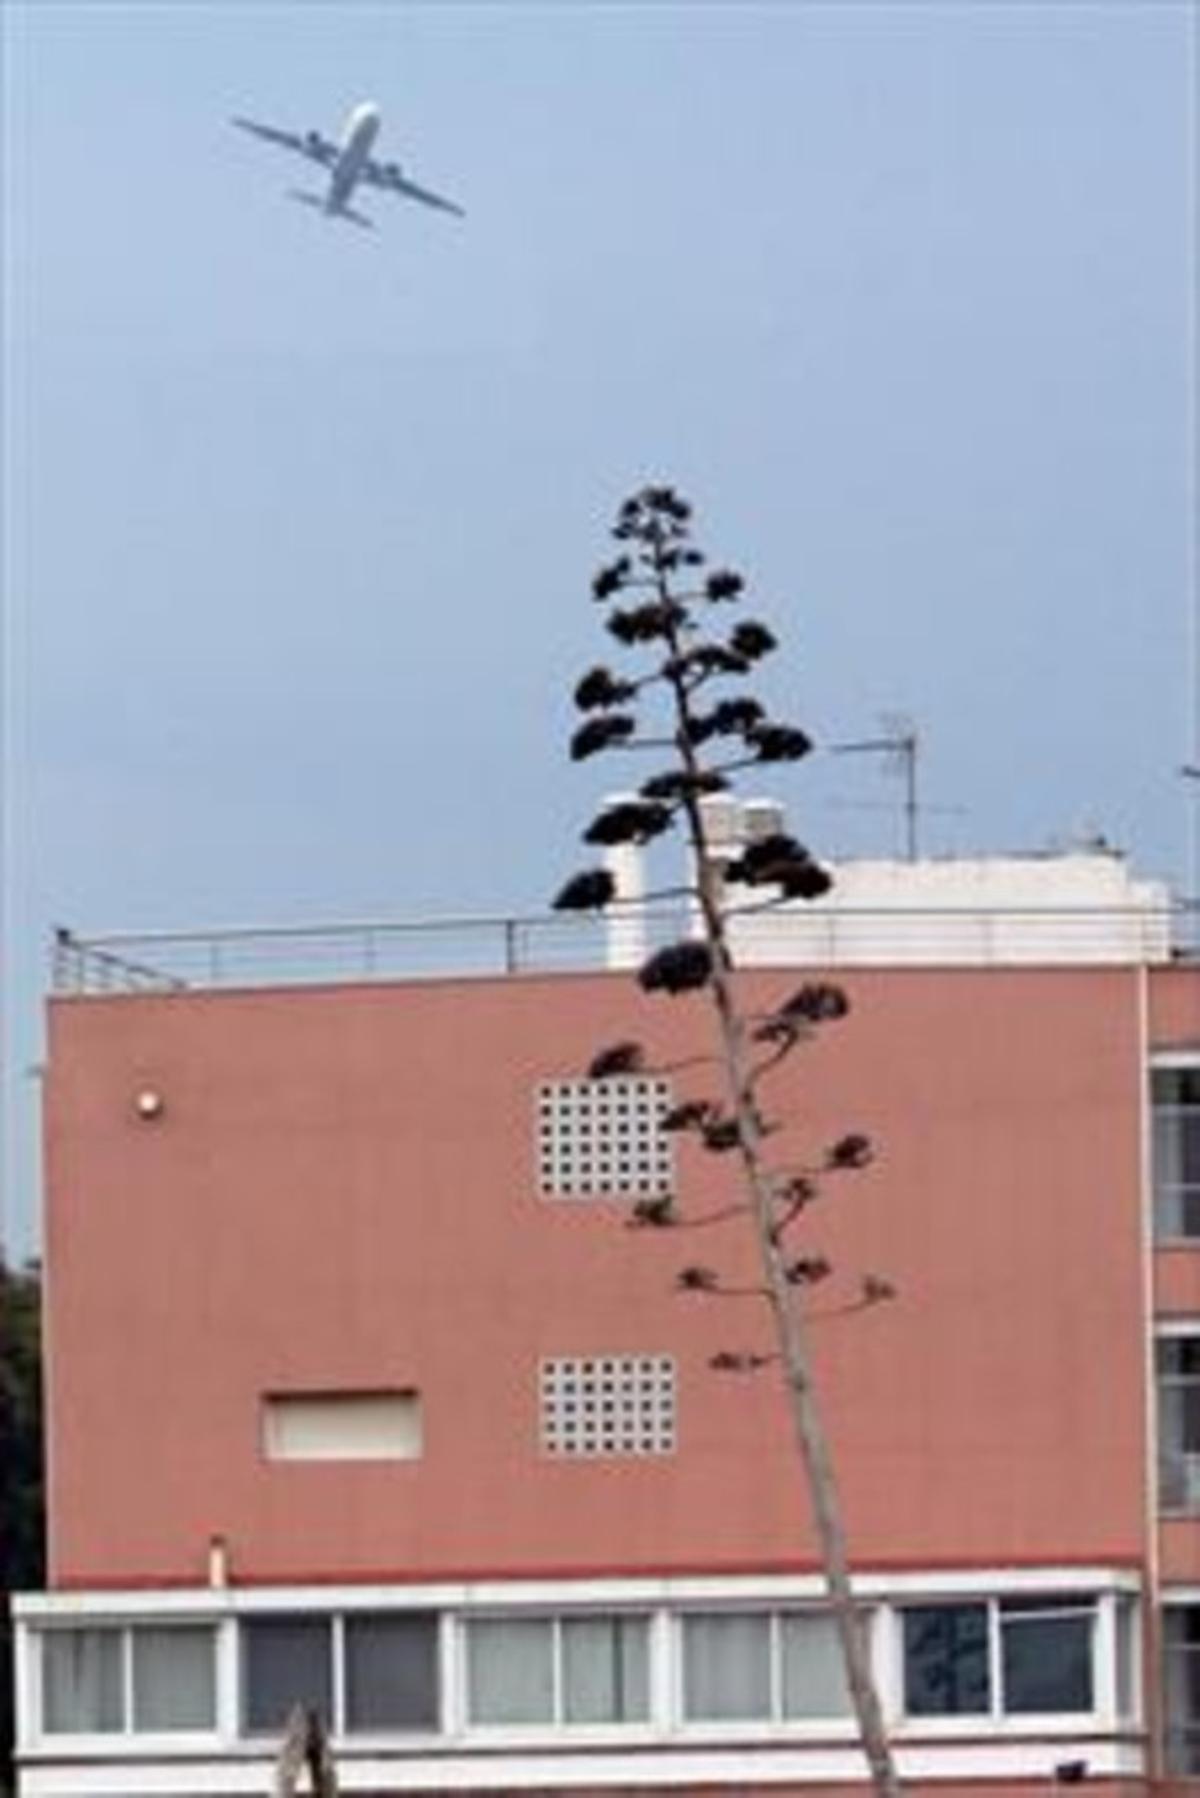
1001,911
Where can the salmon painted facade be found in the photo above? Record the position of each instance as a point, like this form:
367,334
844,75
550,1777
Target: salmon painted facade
364,1391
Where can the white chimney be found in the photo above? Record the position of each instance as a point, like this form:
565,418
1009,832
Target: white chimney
722,816
730,824
761,818
626,920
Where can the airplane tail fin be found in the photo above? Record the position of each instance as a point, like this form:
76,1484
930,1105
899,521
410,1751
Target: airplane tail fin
317,200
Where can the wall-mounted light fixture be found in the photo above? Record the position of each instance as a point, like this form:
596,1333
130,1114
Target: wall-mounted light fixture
149,1104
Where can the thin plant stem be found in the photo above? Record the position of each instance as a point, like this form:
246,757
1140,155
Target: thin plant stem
807,1422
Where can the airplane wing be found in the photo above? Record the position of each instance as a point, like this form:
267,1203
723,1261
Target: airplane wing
387,175
308,143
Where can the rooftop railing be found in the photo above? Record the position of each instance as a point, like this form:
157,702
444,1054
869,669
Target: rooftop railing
547,943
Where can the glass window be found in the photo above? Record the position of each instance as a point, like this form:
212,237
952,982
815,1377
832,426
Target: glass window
946,1660
1175,1101
285,1662
1181,1671
341,1426
510,1670
81,1681
726,1666
174,1677
1046,1655
605,1671
1126,1652
391,1671
1177,1362
814,1675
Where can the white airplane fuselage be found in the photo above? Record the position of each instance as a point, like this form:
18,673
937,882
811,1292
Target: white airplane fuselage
359,134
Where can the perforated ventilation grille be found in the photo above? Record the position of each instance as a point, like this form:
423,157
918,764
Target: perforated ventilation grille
610,1405
604,1138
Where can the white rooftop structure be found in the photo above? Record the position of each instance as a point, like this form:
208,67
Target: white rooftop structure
1080,905
1077,906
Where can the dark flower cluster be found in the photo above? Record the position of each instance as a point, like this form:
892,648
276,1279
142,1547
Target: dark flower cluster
721,1134
657,1213
817,1002
629,821
676,782
849,1153
619,1058
679,968
796,1191
697,1279
601,733
646,623
599,687
778,742
590,890
780,861
612,578
689,1114
654,514
752,640
732,716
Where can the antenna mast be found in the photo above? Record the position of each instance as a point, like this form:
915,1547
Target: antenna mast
902,745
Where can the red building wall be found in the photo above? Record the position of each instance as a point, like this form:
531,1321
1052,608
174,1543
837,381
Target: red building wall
341,1192
1174,1025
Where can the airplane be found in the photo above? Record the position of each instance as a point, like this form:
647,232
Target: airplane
349,163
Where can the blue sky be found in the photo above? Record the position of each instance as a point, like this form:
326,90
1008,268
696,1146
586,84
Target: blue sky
299,519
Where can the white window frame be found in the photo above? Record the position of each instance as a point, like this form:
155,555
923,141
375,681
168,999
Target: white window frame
408,1738
1181,1598
325,1614
1174,1329
337,1614
996,1719
341,1428
1165,1061
775,1726
940,1744
103,1743
558,1726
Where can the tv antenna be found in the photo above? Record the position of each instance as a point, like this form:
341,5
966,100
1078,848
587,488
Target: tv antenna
900,744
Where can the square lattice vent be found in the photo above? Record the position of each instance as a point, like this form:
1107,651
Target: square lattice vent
604,1139
608,1405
